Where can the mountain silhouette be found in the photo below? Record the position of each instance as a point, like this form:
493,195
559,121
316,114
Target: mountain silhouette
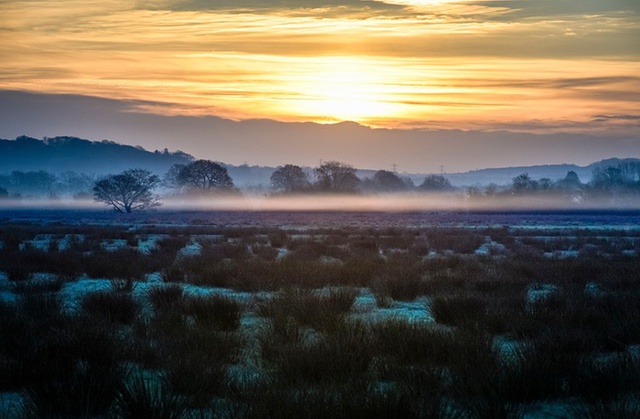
61,154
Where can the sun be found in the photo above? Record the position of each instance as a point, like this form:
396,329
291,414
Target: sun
345,89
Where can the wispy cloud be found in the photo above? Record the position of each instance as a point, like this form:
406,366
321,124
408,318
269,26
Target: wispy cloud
386,63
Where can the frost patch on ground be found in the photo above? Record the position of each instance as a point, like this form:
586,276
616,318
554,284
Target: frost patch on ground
364,302
72,293
491,248
506,347
11,405
251,326
8,296
43,277
562,254
540,292
65,242
634,351
282,252
154,278
239,296
549,410
192,249
593,289
366,309
40,242
328,260
114,244
149,244
432,255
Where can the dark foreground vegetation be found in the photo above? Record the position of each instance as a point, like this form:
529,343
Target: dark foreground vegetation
204,321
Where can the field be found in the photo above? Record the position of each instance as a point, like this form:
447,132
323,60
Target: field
319,314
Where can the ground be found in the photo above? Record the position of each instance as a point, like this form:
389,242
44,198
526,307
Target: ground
318,314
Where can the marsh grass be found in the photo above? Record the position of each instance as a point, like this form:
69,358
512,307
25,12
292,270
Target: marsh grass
311,358
122,285
215,312
78,393
196,364
166,299
623,408
458,310
39,286
321,310
111,306
142,397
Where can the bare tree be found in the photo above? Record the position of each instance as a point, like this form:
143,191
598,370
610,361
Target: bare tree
205,175
334,176
128,191
171,179
523,183
386,181
289,178
436,183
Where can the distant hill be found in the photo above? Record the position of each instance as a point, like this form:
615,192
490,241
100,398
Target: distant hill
60,154
504,175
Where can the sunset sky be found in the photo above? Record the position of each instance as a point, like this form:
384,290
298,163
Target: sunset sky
537,66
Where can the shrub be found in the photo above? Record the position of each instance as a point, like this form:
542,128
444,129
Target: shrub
122,285
167,299
320,310
195,362
213,311
144,398
625,408
77,393
110,306
458,310
40,286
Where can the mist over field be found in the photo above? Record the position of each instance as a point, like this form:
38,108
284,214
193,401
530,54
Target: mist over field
422,202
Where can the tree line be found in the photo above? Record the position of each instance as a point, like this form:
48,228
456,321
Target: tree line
41,183
134,189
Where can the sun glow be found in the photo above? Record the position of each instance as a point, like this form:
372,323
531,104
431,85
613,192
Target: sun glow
345,89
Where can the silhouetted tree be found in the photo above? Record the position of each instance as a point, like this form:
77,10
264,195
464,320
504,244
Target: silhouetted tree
3,193
436,183
171,179
76,183
607,178
205,175
570,181
289,178
336,177
31,183
523,183
128,191
630,172
491,189
545,184
386,181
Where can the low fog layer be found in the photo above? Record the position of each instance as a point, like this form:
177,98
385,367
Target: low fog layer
337,203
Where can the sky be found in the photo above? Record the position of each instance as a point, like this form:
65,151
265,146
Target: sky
525,66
